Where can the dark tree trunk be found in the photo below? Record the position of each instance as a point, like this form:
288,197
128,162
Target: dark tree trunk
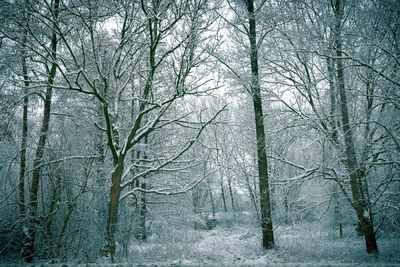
223,194
55,199
29,236
286,206
212,204
338,215
24,133
332,94
265,203
359,201
231,194
113,207
143,213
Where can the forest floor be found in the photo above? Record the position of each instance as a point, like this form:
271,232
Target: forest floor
238,244
305,244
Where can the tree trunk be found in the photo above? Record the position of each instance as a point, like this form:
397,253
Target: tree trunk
360,205
265,203
252,195
113,207
142,213
24,133
223,193
231,194
55,199
338,215
286,206
211,199
332,94
64,228
28,251
195,201
220,173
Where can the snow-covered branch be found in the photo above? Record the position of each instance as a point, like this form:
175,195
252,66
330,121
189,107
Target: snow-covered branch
186,147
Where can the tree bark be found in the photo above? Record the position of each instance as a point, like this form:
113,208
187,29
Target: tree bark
211,199
253,198
143,213
113,206
28,251
223,193
115,190
24,132
265,202
221,175
360,205
231,194
143,202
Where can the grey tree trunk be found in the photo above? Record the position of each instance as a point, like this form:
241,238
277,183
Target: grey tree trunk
253,198
220,173
212,201
265,202
360,204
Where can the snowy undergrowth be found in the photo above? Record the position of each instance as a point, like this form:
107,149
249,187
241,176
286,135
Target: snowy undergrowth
241,244
236,242
312,243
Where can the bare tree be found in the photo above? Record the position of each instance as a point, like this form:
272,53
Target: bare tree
348,120
30,232
154,39
250,31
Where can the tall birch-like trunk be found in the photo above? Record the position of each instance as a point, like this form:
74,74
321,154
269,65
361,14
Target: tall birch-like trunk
265,202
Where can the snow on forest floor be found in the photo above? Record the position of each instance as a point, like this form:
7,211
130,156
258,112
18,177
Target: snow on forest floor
302,244
240,245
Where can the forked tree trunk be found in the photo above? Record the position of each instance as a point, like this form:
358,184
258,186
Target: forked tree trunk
28,251
359,201
265,202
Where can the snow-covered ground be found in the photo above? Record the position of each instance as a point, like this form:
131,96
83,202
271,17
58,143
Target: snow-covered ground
238,244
